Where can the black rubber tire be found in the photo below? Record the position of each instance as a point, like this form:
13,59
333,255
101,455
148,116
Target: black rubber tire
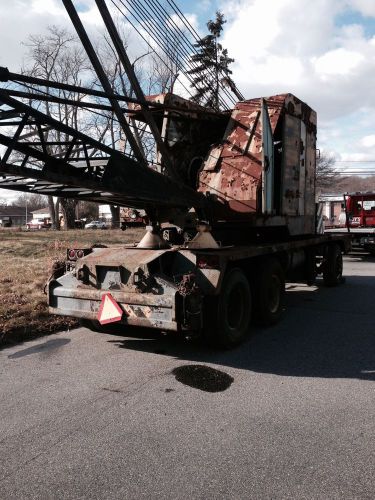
227,317
269,293
333,266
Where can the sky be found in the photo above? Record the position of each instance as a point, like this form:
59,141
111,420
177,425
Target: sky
323,51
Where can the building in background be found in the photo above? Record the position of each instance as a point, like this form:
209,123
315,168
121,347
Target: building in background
332,206
105,213
13,216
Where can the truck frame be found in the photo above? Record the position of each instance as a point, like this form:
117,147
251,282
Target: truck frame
214,293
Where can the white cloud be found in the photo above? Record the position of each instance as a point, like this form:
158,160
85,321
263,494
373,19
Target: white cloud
337,62
176,20
47,7
365,7
368,141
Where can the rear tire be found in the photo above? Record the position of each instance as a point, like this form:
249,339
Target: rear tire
333,266
269,293
227,317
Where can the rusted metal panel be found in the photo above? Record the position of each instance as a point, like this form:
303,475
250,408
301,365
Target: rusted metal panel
139,299
233,172
156,311
114,256
291,160
302,171
234,175
310,172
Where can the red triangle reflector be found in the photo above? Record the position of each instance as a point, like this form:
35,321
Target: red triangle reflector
109,310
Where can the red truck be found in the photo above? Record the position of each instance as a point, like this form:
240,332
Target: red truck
358,219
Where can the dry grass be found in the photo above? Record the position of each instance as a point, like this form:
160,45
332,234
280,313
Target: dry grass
26,259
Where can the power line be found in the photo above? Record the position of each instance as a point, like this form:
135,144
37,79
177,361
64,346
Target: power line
361,174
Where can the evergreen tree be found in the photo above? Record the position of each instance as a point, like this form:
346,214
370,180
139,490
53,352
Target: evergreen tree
210,61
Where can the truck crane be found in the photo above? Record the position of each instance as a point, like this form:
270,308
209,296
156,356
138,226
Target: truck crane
240,183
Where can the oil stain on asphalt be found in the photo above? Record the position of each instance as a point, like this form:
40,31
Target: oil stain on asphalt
203,377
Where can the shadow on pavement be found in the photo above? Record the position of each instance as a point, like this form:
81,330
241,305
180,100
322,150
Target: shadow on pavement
325,332
48,346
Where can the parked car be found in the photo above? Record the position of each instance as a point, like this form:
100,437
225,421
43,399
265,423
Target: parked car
38,224
96,224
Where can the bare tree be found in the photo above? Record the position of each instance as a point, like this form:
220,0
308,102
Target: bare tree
87,210
163,69
326,175
352,183
58,57
33,201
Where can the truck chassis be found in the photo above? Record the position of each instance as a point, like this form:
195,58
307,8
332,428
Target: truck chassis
213,293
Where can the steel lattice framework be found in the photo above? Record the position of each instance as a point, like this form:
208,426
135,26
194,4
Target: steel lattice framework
39,154
76,165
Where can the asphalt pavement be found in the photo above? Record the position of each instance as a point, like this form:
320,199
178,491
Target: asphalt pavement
85,415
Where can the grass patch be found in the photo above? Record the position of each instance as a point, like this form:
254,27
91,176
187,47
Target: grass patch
26,259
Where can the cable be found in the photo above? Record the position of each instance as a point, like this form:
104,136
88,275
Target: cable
147,42
190,47
155,35
168,19
192,31
176,31
157,38
193,47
